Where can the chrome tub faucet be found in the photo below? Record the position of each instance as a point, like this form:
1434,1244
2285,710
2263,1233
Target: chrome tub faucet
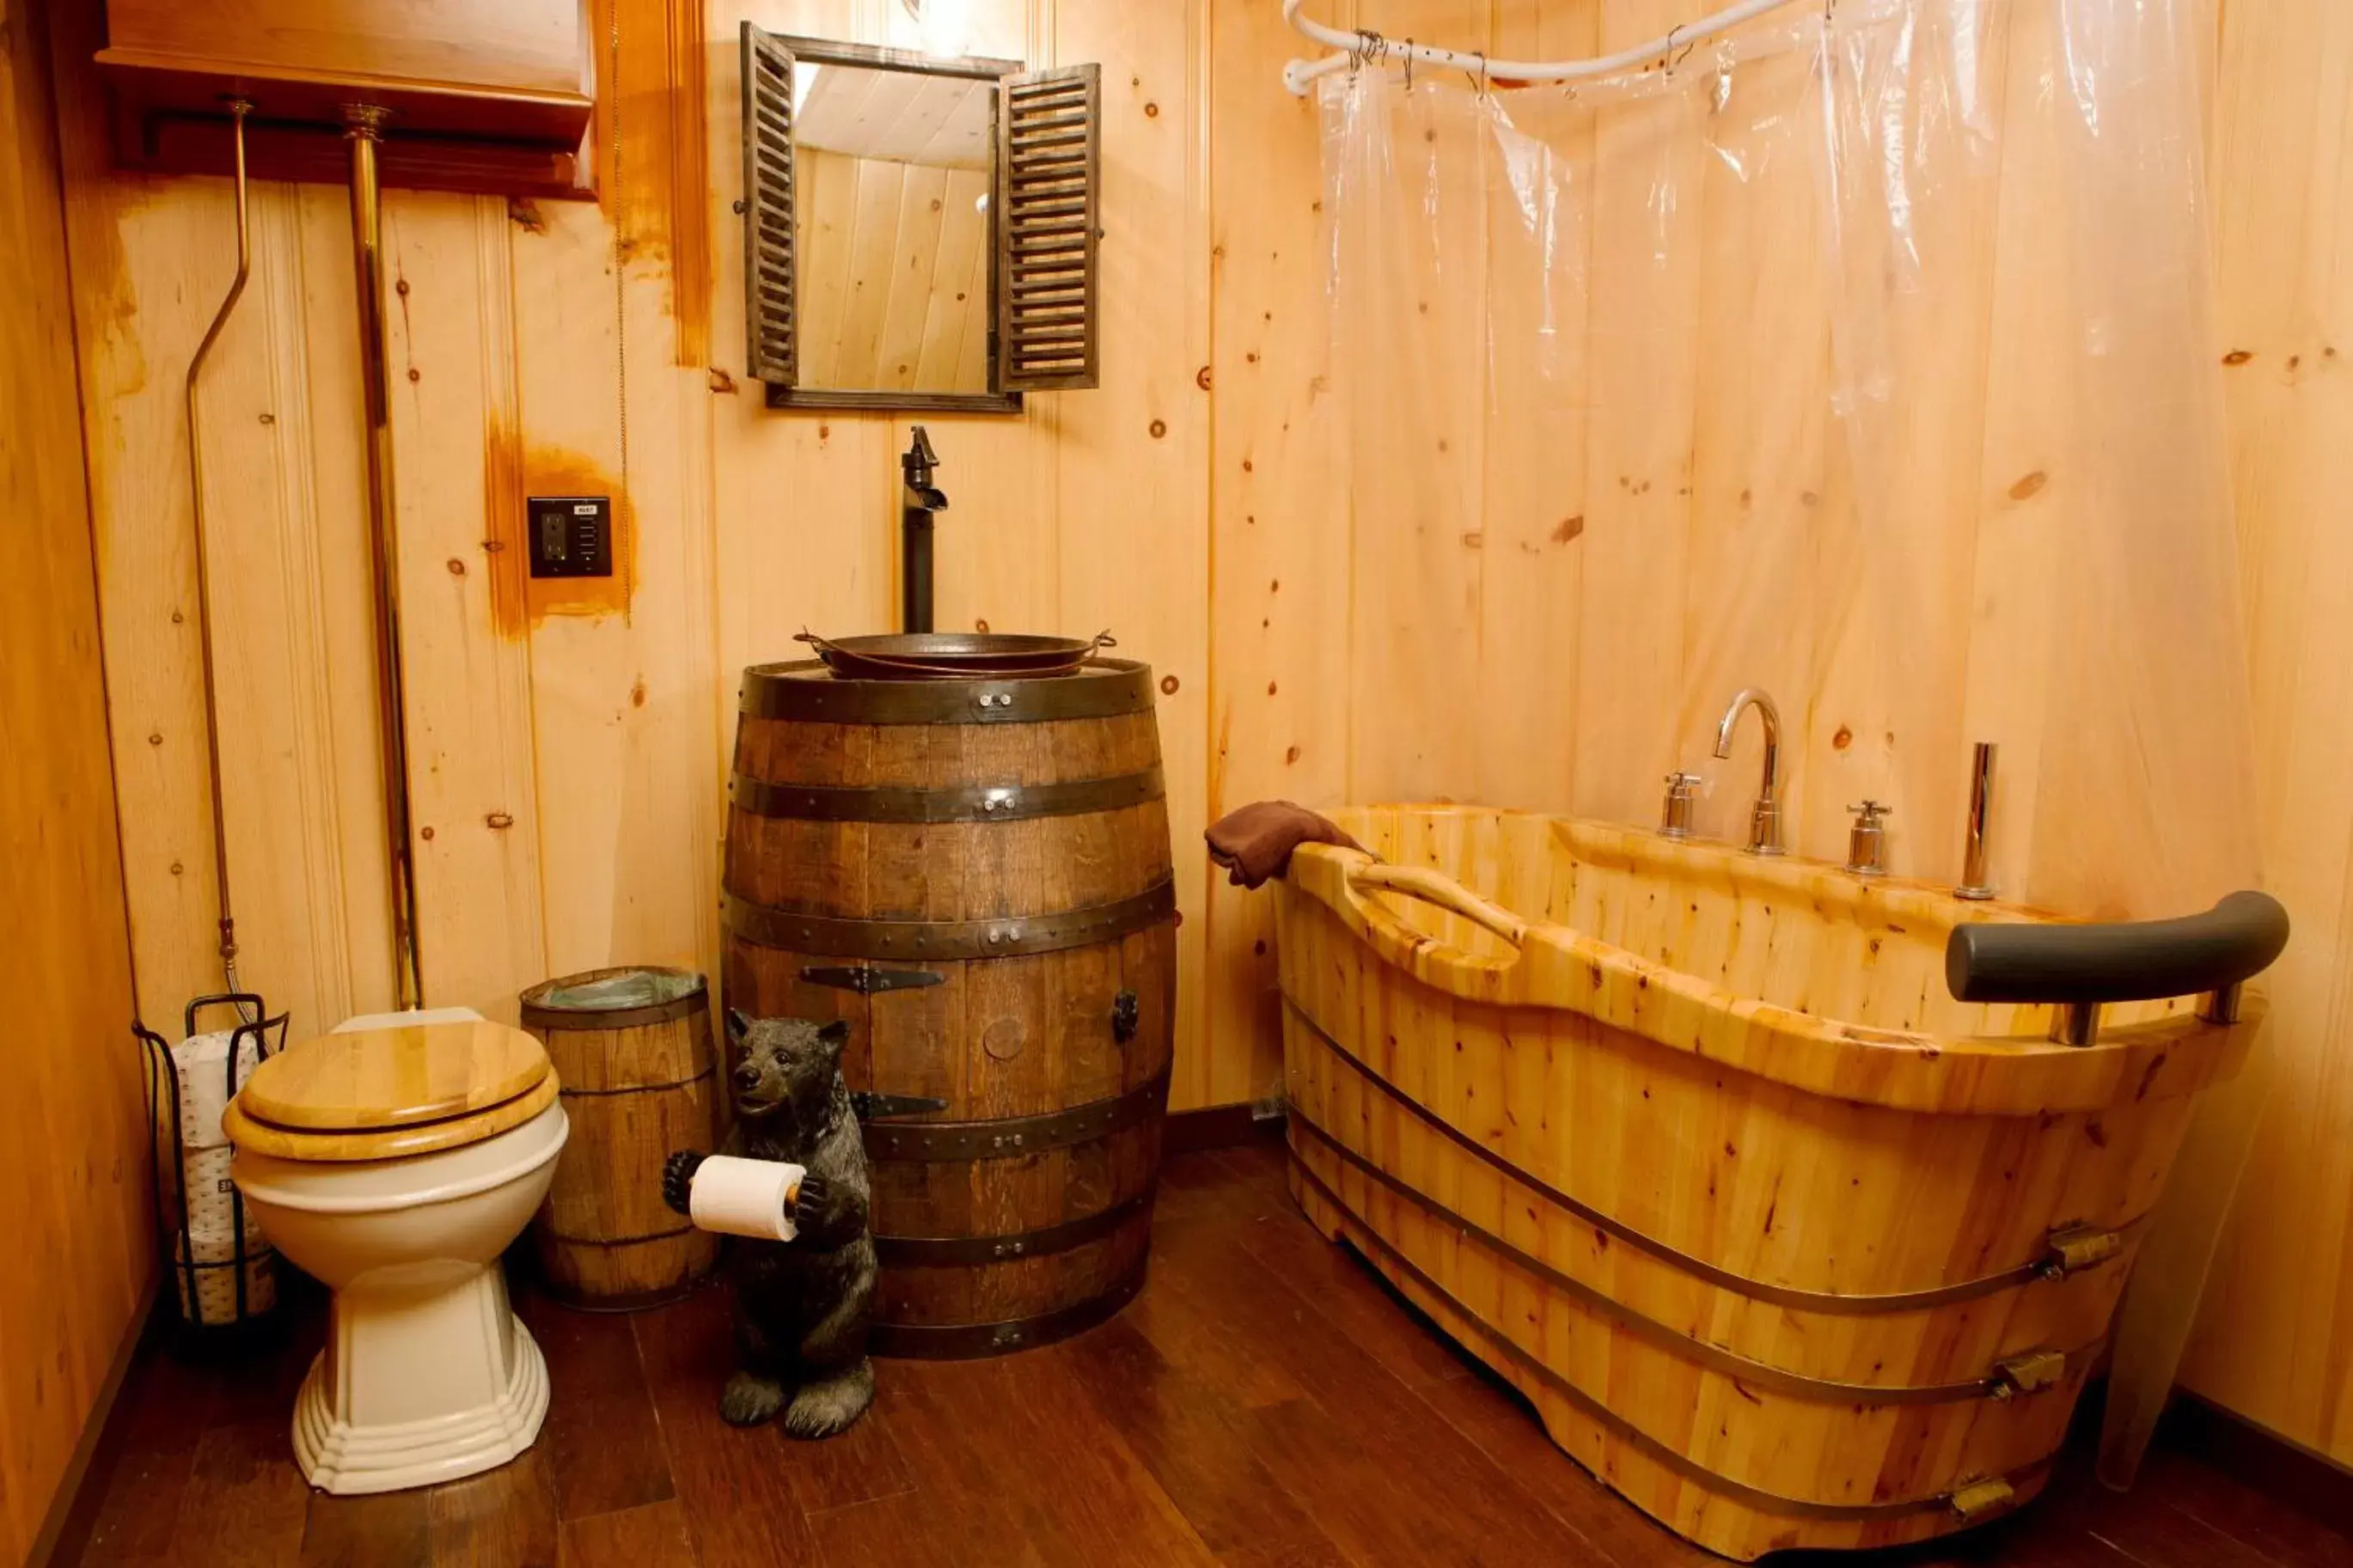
1765,817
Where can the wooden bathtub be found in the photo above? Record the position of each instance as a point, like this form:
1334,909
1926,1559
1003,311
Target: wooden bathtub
1784,1243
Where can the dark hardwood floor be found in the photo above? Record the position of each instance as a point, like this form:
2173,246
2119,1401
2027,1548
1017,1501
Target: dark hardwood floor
1266,1402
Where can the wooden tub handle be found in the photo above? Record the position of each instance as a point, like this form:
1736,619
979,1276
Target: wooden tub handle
1437,888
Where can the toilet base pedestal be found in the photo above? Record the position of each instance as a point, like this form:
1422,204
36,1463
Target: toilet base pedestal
427,1376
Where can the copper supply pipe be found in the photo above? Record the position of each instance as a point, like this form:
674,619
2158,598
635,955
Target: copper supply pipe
238,109
363,128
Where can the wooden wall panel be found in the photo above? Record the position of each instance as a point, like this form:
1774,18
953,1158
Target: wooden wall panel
71,1130
2275,1340
1278,508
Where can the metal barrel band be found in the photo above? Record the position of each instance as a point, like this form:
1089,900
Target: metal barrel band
1405,1273
962,802
933,1251
537,1014
956,1341
671,1235
1008,1137
2040,1267
804,690
1006,936
1675,1341
568,1093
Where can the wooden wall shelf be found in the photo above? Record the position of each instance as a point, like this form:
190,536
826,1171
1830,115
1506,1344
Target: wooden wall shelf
483,98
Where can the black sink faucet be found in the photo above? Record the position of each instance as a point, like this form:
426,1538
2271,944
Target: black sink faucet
917,506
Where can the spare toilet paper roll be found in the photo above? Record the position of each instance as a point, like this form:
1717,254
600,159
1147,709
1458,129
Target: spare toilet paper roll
744,1197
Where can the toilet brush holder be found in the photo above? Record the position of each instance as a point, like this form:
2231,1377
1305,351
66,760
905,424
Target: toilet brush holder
224,1273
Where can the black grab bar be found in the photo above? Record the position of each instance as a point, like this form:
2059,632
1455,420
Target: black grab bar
2078,967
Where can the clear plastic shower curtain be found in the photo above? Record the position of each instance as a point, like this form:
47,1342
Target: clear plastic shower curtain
1864,358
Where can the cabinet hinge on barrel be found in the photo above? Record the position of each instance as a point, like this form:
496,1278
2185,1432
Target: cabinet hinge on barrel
866,980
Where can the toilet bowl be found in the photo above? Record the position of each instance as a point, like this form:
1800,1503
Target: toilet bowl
396,1162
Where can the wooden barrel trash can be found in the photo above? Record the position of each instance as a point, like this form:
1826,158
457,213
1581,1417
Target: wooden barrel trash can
976,875
632,1049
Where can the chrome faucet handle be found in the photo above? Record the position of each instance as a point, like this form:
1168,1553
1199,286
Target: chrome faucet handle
1867,842
1675,811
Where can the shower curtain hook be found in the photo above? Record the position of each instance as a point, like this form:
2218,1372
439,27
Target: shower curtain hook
1409,68
1479,82
1668,58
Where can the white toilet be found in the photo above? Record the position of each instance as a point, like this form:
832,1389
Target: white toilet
395,1160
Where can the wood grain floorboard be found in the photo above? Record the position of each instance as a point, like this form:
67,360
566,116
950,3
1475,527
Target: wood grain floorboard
389,1529
502,1519
734,1485
603,1443
134,1488
245,1503
1269,1402
654,1535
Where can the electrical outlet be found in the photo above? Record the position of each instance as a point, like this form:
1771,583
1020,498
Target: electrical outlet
571,536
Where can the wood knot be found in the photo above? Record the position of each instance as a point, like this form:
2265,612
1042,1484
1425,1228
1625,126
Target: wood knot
1159,428
2030,487
2238,356
498,819
425,834
457,567
1168,686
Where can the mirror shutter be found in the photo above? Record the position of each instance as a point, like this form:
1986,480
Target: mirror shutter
1049,179
772,343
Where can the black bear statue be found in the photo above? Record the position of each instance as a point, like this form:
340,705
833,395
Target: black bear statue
803,1307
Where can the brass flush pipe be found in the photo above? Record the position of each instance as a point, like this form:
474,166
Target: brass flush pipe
238,109
364,129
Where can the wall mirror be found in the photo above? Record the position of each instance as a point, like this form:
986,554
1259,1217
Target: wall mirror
919,231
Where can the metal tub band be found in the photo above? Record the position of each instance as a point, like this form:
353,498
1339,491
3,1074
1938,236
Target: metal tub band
2048,1266
1402,1269
1751,1373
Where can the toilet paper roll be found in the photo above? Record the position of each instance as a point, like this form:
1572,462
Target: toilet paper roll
744,1197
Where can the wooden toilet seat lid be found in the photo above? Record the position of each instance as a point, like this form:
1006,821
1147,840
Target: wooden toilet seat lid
387,1142
396,1090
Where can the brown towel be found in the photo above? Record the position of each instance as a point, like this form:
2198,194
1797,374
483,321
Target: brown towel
1255,842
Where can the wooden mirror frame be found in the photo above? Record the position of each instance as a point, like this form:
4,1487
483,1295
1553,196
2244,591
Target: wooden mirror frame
878,56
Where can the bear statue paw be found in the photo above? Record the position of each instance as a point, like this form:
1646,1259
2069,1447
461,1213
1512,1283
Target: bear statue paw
678,1179
749,1399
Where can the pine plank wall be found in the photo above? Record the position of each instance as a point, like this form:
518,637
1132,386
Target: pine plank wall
568,745
70,1122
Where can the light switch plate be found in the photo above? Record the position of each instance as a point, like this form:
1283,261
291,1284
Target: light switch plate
571,536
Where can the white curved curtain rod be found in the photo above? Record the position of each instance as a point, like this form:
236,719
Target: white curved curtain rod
1355,46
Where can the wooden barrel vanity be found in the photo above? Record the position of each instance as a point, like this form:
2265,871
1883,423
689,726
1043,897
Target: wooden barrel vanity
976,875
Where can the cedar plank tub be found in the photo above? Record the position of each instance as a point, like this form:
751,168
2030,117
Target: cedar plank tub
1696,1148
